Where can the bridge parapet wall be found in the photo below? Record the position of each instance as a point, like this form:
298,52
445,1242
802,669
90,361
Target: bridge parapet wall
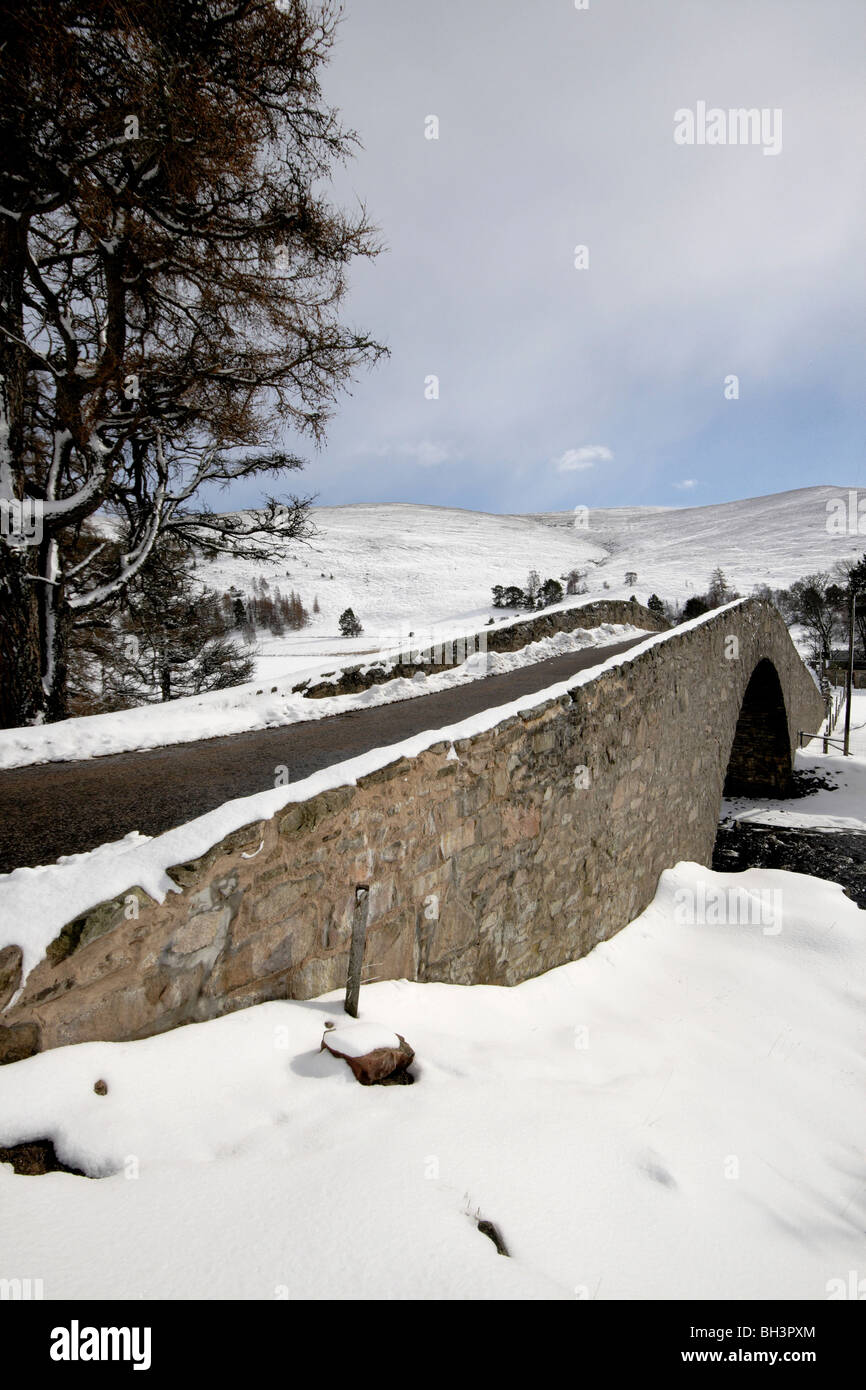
488,861
507,636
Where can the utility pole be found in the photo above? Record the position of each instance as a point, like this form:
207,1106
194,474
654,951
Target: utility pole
850,680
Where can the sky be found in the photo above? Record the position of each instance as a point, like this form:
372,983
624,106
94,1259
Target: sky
607,383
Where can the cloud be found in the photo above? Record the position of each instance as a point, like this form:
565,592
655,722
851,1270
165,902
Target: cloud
428,454
425,452
587,456
634,347
687,483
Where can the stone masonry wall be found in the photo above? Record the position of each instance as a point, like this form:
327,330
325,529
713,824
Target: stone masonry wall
493,639
543,836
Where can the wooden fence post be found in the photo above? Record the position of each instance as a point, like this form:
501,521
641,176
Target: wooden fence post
356,950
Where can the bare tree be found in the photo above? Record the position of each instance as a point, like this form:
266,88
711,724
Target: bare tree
815,603
850,572
575,581
170,281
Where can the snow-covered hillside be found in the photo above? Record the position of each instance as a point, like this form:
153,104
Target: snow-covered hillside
422,569
402,568
759,540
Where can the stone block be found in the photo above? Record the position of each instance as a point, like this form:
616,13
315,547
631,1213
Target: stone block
10,973
460,837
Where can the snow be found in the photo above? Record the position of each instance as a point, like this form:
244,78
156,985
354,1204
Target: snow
769,540
402,568
357,1039
243,708
425,569
676,1116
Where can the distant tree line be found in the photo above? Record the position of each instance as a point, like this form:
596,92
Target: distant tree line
277,612
820,603
538,593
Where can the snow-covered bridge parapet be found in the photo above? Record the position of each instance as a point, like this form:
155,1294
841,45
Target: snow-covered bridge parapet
489,852
509,635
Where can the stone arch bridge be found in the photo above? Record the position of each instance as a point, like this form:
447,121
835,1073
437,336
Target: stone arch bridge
486,858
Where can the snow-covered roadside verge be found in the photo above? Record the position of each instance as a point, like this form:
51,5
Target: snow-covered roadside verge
244,708
675,1116
35,903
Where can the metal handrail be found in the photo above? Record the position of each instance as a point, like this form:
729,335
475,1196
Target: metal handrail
825,739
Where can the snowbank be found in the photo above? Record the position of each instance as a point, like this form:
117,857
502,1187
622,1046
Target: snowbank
676,1116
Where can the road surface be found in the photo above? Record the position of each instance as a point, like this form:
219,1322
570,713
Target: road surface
51,809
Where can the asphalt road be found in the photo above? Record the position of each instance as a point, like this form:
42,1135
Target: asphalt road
65,808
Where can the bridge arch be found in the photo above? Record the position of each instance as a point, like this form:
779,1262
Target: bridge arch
760,760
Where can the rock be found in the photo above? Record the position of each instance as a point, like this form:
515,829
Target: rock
375,1055
20,1041
101,1088
36,1156
398,1078
488,1229
10,973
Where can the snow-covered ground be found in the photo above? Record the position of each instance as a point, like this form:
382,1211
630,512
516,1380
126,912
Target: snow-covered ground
769,540
402,568
246,707
676,1116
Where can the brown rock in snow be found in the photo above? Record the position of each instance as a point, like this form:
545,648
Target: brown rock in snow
375,1055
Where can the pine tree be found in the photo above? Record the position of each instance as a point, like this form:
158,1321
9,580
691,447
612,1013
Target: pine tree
549,593
171,277
170,637
719,590
349,625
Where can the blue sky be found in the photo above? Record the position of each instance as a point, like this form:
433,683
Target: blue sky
604,385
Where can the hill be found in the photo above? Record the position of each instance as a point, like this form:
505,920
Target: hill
413,568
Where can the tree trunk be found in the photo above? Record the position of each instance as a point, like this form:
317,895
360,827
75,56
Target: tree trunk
55,657
22,698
